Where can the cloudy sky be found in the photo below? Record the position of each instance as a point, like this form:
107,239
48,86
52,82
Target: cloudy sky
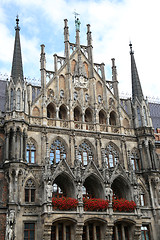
113,24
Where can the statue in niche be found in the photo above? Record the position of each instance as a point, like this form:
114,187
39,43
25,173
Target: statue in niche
10,219
49,189
136,195
79,192
108,193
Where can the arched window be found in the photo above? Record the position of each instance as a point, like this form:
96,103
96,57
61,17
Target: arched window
18,99
139,117
145,116
62,112
30,190
77,114
142,199
88,115
135,161
85,154
111,156
112,118
31,153
102,118
51,112
57,191
57,151
11,102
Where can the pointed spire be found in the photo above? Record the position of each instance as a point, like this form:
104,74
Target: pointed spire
17,68
136,85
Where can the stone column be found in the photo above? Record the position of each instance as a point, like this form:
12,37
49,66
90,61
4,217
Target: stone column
21,146
109,233
7,146
141,156
25,146
13,144
79,232
148,155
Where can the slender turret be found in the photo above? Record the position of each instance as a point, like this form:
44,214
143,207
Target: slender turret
136,85
17,68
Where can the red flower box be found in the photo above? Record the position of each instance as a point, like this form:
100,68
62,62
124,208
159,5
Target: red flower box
95,204
123,205
64,203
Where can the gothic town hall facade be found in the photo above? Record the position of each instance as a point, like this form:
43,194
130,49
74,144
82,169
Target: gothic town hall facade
73,139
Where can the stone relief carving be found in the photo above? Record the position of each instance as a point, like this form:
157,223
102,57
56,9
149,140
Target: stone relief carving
10,221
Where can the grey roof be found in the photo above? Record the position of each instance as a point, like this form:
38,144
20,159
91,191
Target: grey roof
155,114
136,85
17,69
3,85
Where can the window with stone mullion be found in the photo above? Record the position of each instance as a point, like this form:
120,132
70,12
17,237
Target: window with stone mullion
57,151
85,153
111,156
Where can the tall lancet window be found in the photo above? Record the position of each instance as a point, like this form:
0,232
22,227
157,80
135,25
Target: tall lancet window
139,117
18,99
145,116
11,102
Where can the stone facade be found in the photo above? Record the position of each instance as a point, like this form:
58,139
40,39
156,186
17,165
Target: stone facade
74,137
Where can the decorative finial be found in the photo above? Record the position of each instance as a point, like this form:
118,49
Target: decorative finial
77,21
131,51
17,23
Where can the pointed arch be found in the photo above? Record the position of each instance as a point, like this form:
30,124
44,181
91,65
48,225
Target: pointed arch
62,82
30,190
111,155
77,114
85,153
51,110
31,151
66,184
88,115
73,65
57,151
135,159
113,118
36,112
93,187
86,68
121,188
102,117
18,99
126,123
63,112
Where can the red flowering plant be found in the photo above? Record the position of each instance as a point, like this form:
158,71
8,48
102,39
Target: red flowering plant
64,203
123,205
95,204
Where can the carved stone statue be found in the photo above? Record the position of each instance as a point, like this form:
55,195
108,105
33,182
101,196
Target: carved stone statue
108,193
10,219
77,24
49,189
79,192
136,195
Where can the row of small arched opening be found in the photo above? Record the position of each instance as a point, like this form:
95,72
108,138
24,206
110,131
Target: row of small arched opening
88,115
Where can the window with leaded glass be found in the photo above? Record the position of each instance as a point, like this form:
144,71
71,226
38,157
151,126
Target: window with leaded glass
135,162
111,156
18,98
57,152
29,231
31,153
145,235
139,117
85,154
30,190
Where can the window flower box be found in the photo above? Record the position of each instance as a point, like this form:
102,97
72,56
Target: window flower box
95,204
64,203
123,205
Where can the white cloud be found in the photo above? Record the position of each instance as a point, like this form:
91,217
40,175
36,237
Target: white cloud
113,24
